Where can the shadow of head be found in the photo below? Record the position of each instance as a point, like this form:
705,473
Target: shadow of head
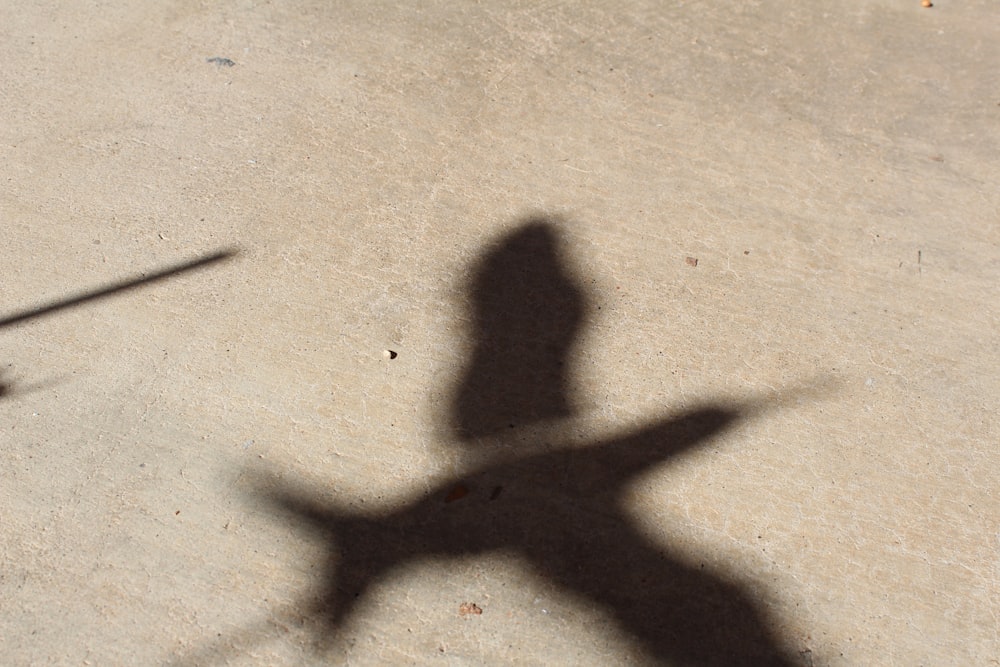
527,311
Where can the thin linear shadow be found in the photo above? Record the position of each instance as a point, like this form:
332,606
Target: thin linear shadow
564,511
9,388
111,289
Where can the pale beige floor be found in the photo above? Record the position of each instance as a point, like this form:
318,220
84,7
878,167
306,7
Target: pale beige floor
833,168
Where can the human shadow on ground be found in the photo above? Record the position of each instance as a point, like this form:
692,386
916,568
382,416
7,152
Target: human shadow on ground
561,506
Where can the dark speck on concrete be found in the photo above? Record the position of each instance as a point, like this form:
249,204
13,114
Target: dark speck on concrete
221,62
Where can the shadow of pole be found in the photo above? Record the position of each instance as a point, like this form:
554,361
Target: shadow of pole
111,289
9,388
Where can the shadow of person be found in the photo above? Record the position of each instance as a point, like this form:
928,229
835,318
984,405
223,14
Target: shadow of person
564,510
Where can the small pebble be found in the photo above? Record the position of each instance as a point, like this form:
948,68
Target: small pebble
470,608
926,3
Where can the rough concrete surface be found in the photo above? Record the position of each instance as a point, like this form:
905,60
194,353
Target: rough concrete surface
518,333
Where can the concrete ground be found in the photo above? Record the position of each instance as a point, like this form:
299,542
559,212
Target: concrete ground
522,333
